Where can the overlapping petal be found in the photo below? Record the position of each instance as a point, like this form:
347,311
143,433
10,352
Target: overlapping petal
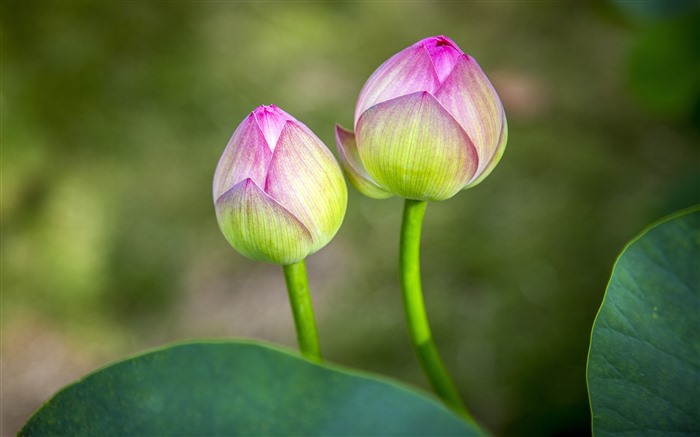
305,179
498,154
246,156
469,96
414,148
406,72
352,165
443,52
271,120
259,227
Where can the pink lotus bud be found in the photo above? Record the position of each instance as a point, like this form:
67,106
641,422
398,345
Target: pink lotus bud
428,123
279,193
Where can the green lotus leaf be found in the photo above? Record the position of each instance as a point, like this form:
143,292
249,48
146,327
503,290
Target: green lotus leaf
238,388
644,360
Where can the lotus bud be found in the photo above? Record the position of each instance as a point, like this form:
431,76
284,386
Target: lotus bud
278,192
428,123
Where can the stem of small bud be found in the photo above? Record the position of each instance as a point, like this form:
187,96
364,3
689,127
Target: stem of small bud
302,309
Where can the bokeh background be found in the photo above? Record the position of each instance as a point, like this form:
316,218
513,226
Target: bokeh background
114,115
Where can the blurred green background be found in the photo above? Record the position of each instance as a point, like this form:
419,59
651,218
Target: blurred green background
114,115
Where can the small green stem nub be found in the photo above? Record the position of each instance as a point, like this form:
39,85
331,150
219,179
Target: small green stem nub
303,310
416,317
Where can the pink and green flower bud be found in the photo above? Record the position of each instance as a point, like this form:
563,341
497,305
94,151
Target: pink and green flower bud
278,192
428,123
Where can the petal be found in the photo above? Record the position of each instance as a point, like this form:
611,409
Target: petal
471,99
413,148
271,120
260,228
246,156
406,72
305,178
444,53
494,159
352,165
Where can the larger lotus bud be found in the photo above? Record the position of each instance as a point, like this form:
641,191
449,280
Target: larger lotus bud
279,193
428,123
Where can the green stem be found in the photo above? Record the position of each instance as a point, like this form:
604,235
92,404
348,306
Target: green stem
416,317
303,310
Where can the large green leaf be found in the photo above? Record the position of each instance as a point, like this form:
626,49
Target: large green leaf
644,361
237,388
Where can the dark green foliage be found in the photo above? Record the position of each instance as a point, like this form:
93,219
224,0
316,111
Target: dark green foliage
644,365
237,388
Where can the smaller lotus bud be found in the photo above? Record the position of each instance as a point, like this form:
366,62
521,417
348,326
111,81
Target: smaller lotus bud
428,123
278,192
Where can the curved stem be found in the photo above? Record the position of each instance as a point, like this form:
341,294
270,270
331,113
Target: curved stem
302,309
416,317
